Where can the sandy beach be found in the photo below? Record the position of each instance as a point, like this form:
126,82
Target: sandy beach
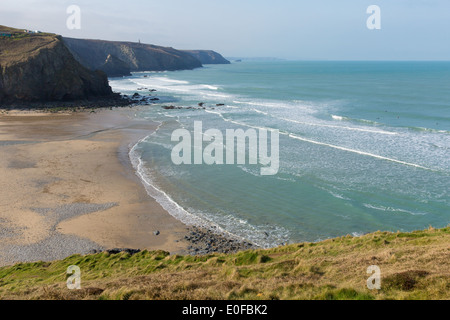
68,187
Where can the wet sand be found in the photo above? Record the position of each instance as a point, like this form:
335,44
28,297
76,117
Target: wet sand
68,187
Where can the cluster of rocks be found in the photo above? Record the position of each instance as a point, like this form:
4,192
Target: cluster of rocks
151,90
116,251
172,108
78,105
120,250
141,99
206,241
202,241
201,106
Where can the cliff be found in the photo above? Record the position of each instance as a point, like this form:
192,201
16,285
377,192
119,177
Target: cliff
137,56
208,56
39,67
114,67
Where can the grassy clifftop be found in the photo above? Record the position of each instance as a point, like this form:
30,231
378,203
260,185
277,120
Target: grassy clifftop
21,45
413,266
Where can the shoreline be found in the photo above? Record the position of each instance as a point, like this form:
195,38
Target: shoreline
71,188
69,191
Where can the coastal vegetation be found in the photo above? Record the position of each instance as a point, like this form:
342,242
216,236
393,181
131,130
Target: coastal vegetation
413,266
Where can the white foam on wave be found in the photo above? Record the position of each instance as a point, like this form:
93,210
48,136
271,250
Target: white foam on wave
428,130
276,104
390,209
341,118
339,196
255,173
286,179
324,144
241,123
122,85
358,152
308,110
216,95
168,80
213,112
340,127
336,195
210,87
195,91
199,220
261,112
374,123
293,136
159,195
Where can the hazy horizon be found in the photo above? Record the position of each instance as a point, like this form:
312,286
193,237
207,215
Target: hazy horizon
291,30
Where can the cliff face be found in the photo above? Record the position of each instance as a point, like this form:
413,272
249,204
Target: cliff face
114,67
208,56
137,56
39,67
2,94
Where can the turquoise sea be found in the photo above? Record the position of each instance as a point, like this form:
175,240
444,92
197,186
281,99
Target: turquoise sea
364,146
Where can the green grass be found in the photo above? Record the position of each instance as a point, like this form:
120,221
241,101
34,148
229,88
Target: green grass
414,266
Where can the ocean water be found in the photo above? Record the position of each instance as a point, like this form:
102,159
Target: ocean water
364,146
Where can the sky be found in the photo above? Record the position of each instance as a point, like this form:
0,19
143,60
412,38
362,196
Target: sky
287,29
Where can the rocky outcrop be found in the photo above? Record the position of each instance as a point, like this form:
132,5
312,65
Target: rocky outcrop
208,56
137,56
114,67
2,92
39,67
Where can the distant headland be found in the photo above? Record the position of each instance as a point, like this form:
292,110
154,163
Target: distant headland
44,67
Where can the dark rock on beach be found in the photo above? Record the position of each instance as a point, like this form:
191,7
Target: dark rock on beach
201,106
116,100
207,241
120,250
